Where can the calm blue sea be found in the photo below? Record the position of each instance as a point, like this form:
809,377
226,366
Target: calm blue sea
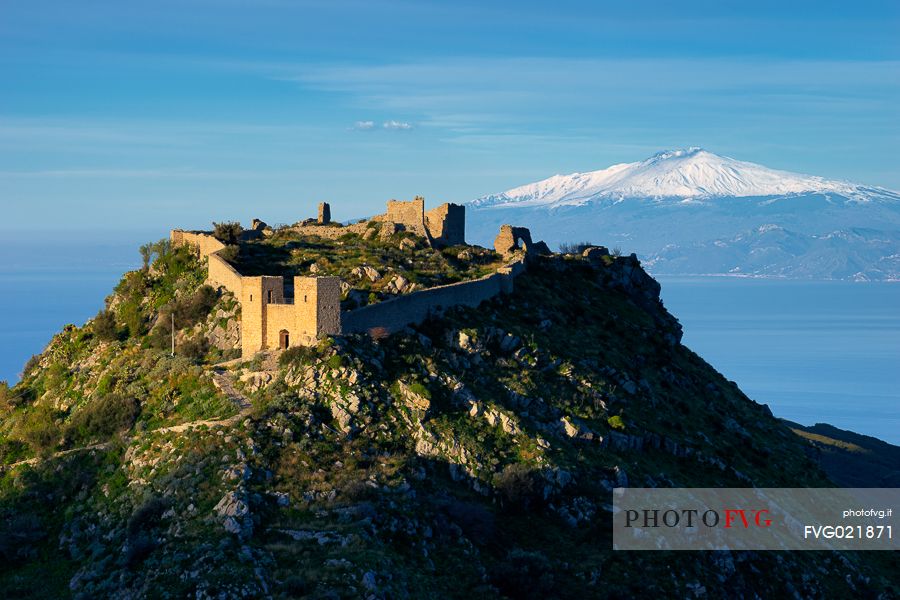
46,285
813,351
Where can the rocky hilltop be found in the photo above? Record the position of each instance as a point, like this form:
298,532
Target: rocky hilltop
472,455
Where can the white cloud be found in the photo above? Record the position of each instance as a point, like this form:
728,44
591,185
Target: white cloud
364,125
465,94
397,125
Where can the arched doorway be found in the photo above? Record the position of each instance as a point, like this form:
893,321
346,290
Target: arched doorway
284,339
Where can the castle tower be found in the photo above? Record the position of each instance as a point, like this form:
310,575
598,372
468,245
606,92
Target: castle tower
447,224
324,213
269,321
317,306
257,294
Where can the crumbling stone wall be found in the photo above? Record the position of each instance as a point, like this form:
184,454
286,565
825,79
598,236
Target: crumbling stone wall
330,232
507,241
324,213
411,215
265,312
315,309
222,274
205,243
446,224
395,314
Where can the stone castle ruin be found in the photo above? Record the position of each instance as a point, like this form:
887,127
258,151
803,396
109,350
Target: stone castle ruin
270,319
507,241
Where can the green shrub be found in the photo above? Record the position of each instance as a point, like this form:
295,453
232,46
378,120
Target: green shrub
195,307
420,390
12,451
104,326
134,319
38,429
518,485
174,262
186,312
19,536
7,400
296,355
229,253
56,376
524,575
102,418
31,364
574,247
159,249
139,531
161,335
616,422
194,349
228,232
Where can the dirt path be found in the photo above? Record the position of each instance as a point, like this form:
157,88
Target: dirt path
221,379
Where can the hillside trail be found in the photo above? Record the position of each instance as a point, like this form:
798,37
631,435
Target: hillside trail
221,379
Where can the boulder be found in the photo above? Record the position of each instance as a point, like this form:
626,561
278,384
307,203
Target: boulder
234,511
595,253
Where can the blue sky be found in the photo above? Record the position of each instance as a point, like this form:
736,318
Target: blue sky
138,116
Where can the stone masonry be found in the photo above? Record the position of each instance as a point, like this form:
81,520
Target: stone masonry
324,214
442,226
270,319
507,241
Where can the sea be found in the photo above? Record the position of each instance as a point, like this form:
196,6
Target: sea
814,351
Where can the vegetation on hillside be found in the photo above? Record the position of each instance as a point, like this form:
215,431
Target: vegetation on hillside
371,265
472,456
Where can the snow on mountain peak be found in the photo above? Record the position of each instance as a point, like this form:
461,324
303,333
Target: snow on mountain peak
686,173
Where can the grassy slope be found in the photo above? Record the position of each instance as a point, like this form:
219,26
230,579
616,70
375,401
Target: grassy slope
852,459
428,464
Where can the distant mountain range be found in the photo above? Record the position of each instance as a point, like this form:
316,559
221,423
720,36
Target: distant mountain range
690,211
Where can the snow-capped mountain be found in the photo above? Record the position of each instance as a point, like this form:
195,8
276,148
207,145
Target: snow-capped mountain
692,211
691,173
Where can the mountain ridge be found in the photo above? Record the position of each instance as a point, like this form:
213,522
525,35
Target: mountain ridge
690,211
687,173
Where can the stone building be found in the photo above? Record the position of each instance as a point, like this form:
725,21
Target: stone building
271,319
442,226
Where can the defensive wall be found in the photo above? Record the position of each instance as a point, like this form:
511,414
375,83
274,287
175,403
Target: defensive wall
408,309
269,319
444,225
330,232
202,240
